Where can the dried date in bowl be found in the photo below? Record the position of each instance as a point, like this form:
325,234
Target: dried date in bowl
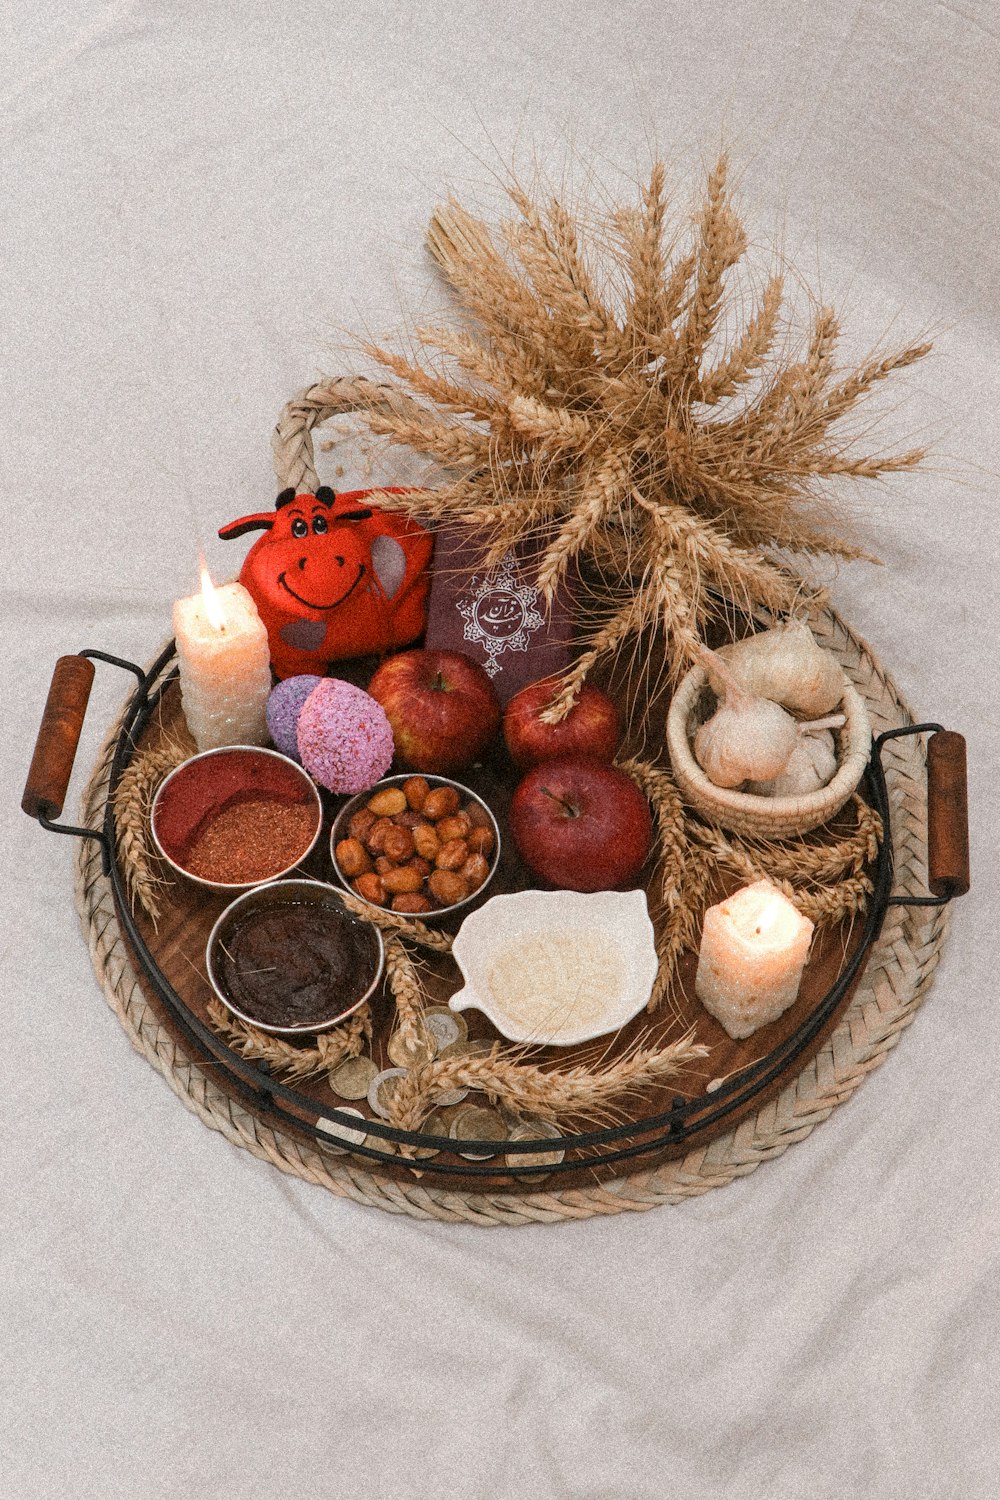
289,957
424,846
236,817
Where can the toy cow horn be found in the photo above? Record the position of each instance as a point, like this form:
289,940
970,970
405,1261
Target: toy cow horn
326,496
262,522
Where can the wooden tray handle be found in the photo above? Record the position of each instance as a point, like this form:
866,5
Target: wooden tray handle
58,737
947,814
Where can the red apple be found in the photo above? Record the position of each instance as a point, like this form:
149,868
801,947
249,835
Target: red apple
590,727
441,705
581,825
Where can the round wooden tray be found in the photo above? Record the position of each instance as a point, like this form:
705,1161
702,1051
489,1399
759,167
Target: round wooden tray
865,1022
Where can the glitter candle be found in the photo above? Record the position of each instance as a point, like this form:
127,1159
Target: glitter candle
224,664
754,947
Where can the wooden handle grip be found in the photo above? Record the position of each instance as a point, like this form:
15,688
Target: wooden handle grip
947,815
58,737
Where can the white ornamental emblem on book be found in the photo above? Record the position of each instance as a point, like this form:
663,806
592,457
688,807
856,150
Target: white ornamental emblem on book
499,613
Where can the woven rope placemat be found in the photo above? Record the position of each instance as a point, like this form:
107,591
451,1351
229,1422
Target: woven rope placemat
898,974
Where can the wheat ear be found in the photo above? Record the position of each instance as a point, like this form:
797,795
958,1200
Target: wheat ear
548,1094
390,921
133,799
297,1062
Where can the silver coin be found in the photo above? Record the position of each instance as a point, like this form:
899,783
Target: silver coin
342,1132
352,1078
534,1130
410,1052
445,1026
478,1124
376,1094
463,1048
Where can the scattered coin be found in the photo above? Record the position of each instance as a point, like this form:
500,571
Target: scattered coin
465,1048
445,1026
380,1087
435,1124
450,1128
342,1132
478,1124
453,1096
352,1078
410,1052
534,1130
379,1143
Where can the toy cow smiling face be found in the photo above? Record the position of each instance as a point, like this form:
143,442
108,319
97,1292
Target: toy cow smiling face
334,578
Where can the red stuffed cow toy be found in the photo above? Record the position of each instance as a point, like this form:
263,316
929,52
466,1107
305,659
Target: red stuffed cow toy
334,578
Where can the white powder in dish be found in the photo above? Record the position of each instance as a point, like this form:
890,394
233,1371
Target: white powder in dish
561,981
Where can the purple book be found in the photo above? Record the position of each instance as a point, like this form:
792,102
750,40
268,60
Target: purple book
496,616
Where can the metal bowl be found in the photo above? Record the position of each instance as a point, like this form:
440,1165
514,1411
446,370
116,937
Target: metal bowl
173,784
292,893
343,818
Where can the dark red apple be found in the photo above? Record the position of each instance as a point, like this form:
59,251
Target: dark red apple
441,705
590,727
581,825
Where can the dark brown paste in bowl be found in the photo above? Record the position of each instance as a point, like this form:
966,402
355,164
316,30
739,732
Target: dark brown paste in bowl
295,963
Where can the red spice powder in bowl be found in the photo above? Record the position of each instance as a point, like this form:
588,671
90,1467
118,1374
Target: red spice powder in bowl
234,818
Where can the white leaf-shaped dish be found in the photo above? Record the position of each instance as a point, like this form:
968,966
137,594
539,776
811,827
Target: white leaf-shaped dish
508,922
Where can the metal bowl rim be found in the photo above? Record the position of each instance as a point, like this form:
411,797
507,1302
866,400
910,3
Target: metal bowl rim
229,886
352,805
313,1028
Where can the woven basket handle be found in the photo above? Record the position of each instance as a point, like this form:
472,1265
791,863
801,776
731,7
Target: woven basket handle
292,443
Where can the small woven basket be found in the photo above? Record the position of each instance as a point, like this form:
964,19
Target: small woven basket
741,812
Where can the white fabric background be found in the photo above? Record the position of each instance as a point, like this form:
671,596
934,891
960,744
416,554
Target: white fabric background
195,198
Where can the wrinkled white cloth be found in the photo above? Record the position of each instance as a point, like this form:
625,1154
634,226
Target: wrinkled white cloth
196,200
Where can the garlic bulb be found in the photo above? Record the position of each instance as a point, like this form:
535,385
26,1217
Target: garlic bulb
811,765
787,665
747,738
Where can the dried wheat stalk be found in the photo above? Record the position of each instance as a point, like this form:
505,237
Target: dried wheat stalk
407,992
685,874
297,1062
137,857
823,875
848,898
548,1094
821,857
393,922
615,399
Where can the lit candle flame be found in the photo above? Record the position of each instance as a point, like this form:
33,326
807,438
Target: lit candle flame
213,609
768,916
